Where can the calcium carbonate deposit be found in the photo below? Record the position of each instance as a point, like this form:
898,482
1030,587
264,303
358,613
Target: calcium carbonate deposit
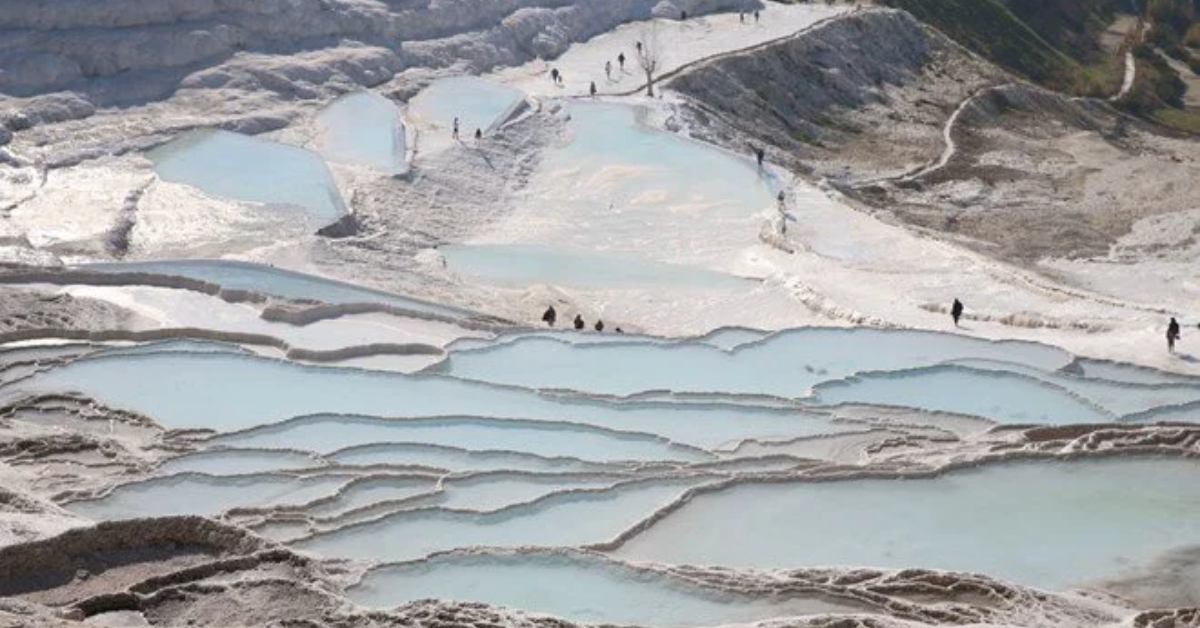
367,313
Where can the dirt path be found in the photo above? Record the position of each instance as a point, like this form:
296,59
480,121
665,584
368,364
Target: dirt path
733,53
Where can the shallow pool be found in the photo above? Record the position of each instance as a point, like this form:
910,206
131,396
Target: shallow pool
230,392
198,494
577,587
249,169
274,281
454,458
475,102
327,434
1039,523
786,364
237,462
363,128
563,519
492,491
997,395
622,187
516,265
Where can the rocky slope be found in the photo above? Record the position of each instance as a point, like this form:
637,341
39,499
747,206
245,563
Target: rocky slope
871,90
908,122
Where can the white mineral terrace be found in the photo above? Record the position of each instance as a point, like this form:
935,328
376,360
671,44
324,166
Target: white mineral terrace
768,426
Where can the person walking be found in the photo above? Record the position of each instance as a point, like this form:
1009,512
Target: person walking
554,75
956,311
1172,334
759,154
455,133
608,70
782,209
621,61
592,89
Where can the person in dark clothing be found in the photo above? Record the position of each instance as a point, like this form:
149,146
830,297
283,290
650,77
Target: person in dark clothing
621,61
599,326
478,134
550,316
1172,334
639,47
756,17
455,128
608,70
554,75
759,154
683,15
578,321
956,311
593,89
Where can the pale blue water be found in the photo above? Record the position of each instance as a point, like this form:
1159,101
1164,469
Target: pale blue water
244,168
274,281
680,170
236,462
453,458
786,364
363,128
330,433
496,490
1131,373
1003,397
204,495
230,392
1038,523
476,102
578,588
1119,398
179,345
364,493
729,338
623,188
519,265
570,519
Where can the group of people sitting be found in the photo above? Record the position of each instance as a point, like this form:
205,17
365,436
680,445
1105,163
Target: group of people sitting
551,316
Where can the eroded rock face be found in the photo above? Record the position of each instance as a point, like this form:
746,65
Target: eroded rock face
54,45
22,308
872,88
